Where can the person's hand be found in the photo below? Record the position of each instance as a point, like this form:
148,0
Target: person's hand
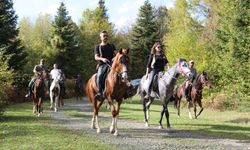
105,60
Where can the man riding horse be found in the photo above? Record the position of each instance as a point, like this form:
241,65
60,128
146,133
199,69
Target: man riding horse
38,70
190,81
104,53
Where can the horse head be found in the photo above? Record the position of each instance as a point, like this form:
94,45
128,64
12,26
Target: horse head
121,63
183,68
204,79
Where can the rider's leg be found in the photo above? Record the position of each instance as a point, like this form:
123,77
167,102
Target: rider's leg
151,78
100,74
30,86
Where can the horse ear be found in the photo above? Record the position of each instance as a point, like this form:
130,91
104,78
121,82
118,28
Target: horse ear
120,51
128,50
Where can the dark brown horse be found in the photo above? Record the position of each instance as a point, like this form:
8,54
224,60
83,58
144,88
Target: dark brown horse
38,93
196,93
115,87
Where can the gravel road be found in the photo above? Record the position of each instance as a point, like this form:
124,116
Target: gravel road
133,135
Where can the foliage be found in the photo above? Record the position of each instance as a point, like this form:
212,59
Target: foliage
10,45
5,82
144,35
64,42
92,23
181,41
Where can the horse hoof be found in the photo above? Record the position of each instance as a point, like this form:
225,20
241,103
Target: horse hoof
160,127
55,110
111,130
116,133
38,115
146,125
98,130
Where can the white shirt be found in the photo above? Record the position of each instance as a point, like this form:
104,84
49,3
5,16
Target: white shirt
54,73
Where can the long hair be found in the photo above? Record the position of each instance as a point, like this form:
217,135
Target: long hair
153,50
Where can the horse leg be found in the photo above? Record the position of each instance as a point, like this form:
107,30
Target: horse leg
200,104
115,116
56,102
95,124
189,112
178,106
146,112
195,109
167,116
51,99
39,107
160,121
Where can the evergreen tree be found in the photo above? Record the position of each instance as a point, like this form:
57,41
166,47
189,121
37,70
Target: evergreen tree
64,42
92,23
232,46
144,35
101,5
10,44
162,18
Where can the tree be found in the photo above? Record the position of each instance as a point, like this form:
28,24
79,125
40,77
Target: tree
184,31
64,42
162,18
92,23
10,44
144,35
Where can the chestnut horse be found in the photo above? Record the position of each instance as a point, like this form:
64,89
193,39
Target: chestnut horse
38,93
196,93
116,85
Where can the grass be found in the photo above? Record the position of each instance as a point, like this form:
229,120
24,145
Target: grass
229,124
20,129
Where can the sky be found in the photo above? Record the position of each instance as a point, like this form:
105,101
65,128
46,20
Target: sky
122,13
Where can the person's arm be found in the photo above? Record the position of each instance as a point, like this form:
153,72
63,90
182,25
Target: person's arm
149,64
34,70
166,62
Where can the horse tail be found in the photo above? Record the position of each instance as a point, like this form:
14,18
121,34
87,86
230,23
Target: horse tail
175,97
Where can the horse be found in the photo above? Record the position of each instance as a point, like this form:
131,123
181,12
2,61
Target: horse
54,93
196,93
38,93
79,89
116,85
164,89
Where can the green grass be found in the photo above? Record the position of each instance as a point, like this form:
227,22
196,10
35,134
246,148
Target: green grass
228,124
20,129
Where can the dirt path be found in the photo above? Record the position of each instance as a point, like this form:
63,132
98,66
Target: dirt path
133,135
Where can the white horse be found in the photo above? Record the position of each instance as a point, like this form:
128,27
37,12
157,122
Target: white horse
54,92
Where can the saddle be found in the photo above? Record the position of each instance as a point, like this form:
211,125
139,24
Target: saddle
155,81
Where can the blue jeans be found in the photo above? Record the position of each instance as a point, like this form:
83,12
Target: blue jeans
101,72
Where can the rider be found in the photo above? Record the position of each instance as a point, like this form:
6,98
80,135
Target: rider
190,80
38,69
104,53
79,81
156,63
55,72
61,81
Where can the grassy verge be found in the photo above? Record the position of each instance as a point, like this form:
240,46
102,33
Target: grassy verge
20,129
229,124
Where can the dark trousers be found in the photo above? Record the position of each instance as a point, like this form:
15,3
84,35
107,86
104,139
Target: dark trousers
101,74
151,78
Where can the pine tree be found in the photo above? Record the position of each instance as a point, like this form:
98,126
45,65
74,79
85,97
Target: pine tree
101,6
10,44
144,35
64,42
